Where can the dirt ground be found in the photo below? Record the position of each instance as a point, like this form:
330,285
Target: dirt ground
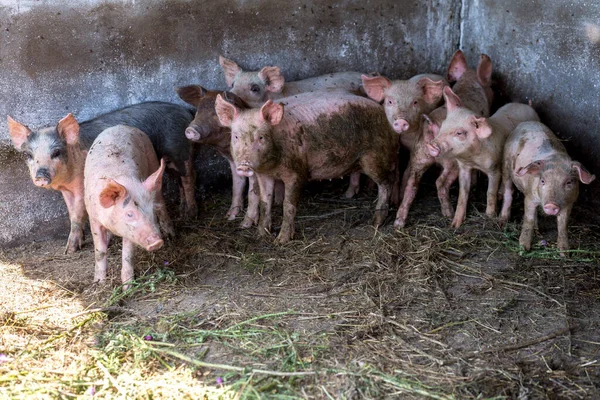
426,312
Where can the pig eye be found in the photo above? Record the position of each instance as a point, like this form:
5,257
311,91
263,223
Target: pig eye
55,153
129,215
543,181
569,182
29,156
389,101
255,88
460,133
261,138
415,103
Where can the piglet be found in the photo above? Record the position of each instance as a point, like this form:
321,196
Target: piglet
320,135
476,143
537,163
122,181
256,87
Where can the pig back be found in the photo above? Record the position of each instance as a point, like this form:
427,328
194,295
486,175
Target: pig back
120,151
340,80
506,119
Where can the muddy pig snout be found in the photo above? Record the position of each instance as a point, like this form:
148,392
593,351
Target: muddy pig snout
433,149
401,125
42,177
551,209
244,169
154,242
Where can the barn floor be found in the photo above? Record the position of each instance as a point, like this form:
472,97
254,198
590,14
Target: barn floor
343,312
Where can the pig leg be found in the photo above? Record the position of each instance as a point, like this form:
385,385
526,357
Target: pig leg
507,201
354,185
77,215
416,171
494,178
265,184
100,246
164,221
187,183
529,220
443,184
383,177
237,198
279,194
292,194
562,220
252,213
464,180
127,255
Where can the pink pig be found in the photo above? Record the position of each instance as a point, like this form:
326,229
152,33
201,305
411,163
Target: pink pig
122,180
539,166
473,87
320,135
476,143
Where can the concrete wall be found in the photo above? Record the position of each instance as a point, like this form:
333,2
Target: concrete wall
93,56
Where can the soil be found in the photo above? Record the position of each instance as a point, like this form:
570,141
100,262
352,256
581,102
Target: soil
459,310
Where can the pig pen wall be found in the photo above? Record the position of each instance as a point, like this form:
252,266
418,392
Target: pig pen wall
95,56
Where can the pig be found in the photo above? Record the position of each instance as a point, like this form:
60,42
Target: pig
476,143
537,163
56,155
122,182
310,136
473,87
206,129
256,87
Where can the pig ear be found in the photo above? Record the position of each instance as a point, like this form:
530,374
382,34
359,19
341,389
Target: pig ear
68,129
272,112
430,129
482,127
230,68
272,78
191,94
584,175
432,90
484,70
458,66
534,168
235,100
111,193
225,111
18,132
376,86
452,100
154,181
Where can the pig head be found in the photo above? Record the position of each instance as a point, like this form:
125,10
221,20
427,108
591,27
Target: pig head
254,87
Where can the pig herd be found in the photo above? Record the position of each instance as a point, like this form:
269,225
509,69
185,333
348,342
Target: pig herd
278,135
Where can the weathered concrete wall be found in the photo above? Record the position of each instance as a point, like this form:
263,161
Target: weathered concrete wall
549,52
89,57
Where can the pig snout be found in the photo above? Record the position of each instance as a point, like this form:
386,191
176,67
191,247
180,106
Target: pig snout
434,149
193,133
42,177
154,242
401,125
244,169
551,209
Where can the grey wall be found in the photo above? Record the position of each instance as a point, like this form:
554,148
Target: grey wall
94,56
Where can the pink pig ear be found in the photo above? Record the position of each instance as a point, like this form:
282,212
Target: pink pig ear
430,129
452,100
272,112
111,193
535,168
18,132
432,90
226,111
154,181
458,66
230,68
484,70
191,94
584,175
68,129
482,127
376,86
272,78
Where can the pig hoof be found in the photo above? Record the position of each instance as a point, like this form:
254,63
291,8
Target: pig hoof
282,239
247,223
351,192
399,223
232,213
456,223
